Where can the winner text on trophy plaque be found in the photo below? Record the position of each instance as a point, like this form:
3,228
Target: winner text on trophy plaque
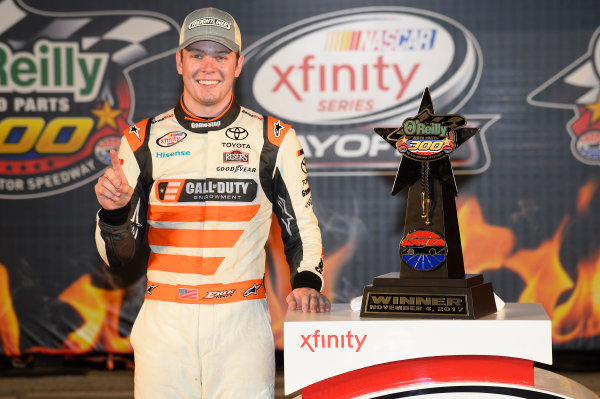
432,281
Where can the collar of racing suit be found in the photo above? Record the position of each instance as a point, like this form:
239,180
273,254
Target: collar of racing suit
198,124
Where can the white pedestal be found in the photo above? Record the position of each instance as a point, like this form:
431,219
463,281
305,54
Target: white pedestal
355,356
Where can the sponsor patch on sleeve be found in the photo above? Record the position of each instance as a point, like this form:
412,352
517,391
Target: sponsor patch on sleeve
276,130
135,134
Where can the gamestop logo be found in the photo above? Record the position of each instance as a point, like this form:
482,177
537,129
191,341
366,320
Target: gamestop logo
336,76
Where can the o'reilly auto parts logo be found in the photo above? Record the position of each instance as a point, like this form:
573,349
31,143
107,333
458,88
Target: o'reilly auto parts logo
335,76
64,93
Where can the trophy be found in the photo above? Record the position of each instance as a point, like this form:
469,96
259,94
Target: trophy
431,282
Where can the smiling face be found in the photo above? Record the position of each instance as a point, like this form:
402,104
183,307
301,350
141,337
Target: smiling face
208,70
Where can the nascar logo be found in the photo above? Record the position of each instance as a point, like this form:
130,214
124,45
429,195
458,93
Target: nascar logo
357,68
363,65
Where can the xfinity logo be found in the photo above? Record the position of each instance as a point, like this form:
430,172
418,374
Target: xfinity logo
356,69
380,75
363,65
170,139
318,341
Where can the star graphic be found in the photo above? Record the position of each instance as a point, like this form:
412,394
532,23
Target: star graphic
278,126
595,110
135,130
409,170
106,115
252,290
286,218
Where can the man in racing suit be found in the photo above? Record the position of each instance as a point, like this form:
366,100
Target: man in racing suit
203,189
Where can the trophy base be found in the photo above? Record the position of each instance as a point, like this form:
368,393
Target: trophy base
457,298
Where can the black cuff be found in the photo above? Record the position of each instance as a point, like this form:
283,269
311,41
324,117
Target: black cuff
306,279
115,217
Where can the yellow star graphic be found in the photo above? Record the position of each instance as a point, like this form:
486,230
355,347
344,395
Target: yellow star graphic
106,115
595,110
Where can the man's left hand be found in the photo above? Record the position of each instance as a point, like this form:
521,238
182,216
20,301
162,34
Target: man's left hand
308,299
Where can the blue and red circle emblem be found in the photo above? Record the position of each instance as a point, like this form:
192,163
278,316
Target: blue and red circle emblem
423,250
588,145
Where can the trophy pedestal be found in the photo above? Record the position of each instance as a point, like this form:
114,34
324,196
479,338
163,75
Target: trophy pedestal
339,355
440,298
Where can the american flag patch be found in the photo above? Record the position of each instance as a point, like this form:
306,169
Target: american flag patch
300,152
185,293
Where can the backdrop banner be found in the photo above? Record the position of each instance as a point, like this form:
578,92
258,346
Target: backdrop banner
74,75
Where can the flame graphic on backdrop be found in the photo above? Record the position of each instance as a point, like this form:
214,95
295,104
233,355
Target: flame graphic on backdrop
9,325
100,309
485,247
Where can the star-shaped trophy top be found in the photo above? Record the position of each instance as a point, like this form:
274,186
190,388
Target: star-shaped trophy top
430,138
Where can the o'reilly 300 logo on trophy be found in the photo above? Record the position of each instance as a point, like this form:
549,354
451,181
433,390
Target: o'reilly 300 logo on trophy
431,281
428,137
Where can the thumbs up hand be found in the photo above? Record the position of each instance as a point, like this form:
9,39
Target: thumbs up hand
112,190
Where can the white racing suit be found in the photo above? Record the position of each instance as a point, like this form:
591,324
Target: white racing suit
205,192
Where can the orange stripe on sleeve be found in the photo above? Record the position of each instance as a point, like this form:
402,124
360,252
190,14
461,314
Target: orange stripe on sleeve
164,213
184,263
188,238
